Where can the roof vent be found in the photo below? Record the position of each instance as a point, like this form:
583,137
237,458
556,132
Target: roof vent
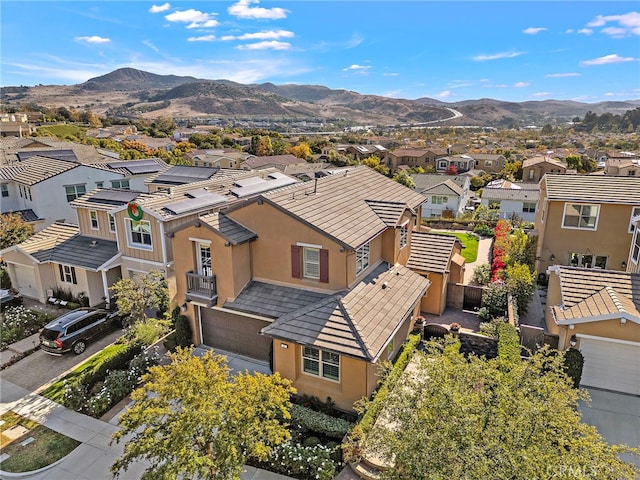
93,243
385,285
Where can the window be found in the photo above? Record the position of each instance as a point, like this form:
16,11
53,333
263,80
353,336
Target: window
582,216
439,199
632,173
442,164
140,233
404,235
321,363
29,192
93,215
529,207
488,163
123,184
112,222
204,259
586,260
531,174
311,262
635,247
99,184
20,190
362,258
74,191
5,189
634,213
68,274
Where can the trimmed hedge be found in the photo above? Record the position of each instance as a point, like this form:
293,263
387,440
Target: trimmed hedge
119,361
318,422
508,345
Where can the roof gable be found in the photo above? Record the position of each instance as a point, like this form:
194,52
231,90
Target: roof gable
431,252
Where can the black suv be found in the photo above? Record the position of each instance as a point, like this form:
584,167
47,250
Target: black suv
72,331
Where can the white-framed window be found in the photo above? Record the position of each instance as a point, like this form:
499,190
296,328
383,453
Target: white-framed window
68,274
321,363
28,190
204,259
362,258
140,234
93,216
439,199
635,247
4,188
587,260
311,262
488,163
443,164
635,211
99,184
529,207
112,223
404,235
531,174
581,216
74,191
122,184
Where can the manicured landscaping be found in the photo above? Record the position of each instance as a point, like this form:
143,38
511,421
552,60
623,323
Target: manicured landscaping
46,448
18,322
470,242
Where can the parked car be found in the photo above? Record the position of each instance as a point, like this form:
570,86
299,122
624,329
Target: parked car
8,299
74,330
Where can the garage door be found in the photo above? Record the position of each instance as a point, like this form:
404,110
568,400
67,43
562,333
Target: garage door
26,278
610,364
235,333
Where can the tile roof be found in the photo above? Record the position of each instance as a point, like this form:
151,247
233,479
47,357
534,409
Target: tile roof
105,198
37,169
529,162
273,160
424,181
273,301
362,322
228,228
597,189
337,205
431,252
448,187
511,194
389,212
591,294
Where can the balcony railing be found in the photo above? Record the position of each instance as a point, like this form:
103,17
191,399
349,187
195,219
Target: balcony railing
201,287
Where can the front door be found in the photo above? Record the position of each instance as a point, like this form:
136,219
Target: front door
204,260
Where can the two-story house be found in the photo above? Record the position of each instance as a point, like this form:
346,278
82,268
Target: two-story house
623,166
462,163
488,162
414,157
533,169
585,221
445,195
313,273
513,200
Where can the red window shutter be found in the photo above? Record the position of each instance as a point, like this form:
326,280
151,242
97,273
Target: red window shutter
324,266
296,261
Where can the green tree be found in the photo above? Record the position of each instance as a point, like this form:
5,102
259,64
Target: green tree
521,282
192,419
574,162
134,297
404,179
520,248
264,147
13,230
471,418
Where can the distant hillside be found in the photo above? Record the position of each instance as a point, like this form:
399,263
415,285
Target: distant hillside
132,92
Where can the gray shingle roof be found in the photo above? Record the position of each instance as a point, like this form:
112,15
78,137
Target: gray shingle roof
28,215
424,181
431,252
362,322
597,189
273,301
525,195
448,187
337,204
228,228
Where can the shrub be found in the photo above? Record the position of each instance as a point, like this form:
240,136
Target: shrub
75,396
183,331
482,274
318,422
73,305
303,462
311,442
5,280
483,230
494,299
119,361
490,328
18,323
508,345
521,282
573,363
314,403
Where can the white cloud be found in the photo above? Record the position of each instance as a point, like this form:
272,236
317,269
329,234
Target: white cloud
391,74
393,93
242,9
541,94
521,84
264,35
195,18
496,56
628,24
150,45
609,94
607,59
266,45
444,94
357,68
534,30
204,38
585,31
93,39
562,75
159,8
570,30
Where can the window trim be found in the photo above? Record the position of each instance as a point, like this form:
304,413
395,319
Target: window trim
305,261
635,246
581,256
119,182
71,273
442,199
363,257
529,208
578,227
112,223
321,362
634,214
404,234
75,189
136,245
4,188
93,218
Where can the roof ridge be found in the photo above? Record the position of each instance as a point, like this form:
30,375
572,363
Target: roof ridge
354,328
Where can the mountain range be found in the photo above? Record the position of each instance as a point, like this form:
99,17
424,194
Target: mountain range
130,92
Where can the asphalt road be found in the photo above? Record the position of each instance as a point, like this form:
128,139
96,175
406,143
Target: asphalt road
40,368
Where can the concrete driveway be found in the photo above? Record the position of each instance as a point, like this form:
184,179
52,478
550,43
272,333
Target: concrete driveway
616,416
40,368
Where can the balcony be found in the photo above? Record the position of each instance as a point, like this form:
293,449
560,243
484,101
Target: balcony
202,289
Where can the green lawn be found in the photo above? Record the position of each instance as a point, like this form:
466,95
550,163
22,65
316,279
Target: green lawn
61,131
55,391
470,242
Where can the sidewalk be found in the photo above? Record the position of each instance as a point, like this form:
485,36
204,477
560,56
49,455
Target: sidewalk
17,350
484,248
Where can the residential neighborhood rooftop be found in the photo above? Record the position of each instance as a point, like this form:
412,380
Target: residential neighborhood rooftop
431,252
599,189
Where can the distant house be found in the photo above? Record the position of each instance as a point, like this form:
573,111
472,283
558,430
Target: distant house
462,163
491,163
623,166
445,195
413,157
277,161
515,200
533,169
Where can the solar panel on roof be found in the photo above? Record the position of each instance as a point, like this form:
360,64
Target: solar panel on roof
190,204
197,193
113,197
265,185
244,182
66,154
192,172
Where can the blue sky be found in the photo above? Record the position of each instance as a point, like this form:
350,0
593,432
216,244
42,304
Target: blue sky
586,51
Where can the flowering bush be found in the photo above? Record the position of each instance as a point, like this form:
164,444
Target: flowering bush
319,422
303,462
18,322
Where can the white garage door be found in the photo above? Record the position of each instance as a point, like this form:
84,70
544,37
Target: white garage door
611,364
26,277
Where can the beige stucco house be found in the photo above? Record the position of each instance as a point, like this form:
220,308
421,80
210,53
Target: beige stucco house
533,169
